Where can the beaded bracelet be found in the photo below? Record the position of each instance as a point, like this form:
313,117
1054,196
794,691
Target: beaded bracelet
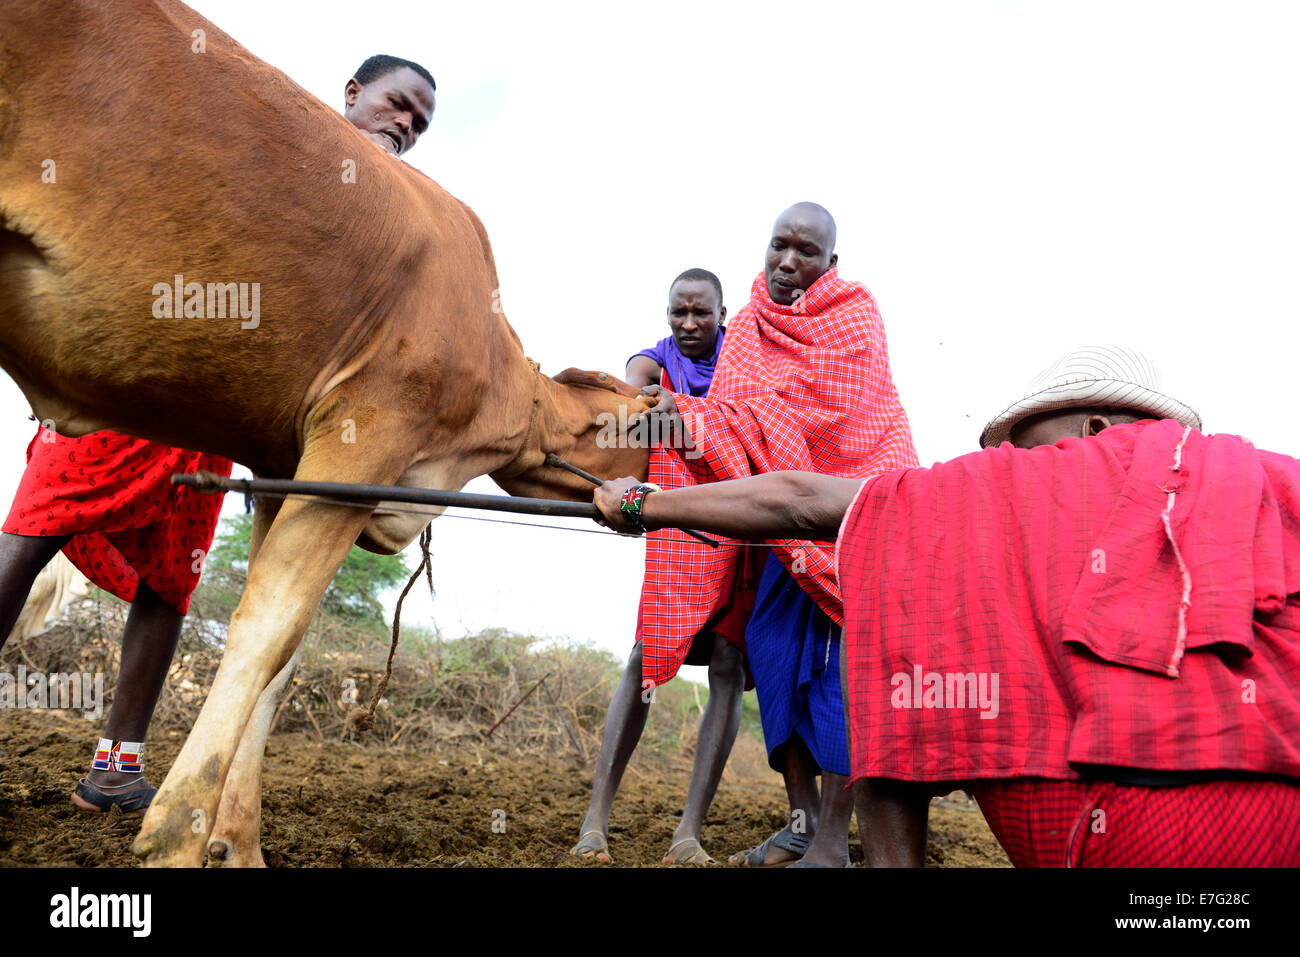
631,502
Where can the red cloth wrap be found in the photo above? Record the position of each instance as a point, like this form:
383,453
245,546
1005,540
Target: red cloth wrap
729,621
113,494
1052,569
804,387
1103,824
740,591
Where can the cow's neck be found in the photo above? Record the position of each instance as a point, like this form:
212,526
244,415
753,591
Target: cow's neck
581,417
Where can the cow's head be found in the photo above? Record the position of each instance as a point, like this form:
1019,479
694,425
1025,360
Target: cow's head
588,419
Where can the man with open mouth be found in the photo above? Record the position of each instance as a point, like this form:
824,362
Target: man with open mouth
107,501
391,100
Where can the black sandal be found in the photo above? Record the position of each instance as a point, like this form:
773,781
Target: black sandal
130,802
785,839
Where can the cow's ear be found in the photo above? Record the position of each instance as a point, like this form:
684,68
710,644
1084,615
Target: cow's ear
585,379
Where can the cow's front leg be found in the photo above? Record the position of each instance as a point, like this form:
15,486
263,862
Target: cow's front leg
236,839
301,553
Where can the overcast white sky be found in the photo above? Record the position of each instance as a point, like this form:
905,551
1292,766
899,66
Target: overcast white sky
1010,179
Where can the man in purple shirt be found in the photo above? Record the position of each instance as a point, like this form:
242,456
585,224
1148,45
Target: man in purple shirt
683,363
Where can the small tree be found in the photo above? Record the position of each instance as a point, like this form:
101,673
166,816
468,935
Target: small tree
354,593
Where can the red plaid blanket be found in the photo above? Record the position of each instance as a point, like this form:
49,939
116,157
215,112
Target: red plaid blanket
805,387
1120,600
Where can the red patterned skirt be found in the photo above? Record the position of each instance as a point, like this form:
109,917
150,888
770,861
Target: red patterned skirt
113,494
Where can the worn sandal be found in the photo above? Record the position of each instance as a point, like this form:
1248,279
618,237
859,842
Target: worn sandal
697,857
597,850
784,839
101,802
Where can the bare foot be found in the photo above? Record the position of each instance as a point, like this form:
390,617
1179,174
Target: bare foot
592,846
686,852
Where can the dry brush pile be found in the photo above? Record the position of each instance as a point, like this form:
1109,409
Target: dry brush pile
442,693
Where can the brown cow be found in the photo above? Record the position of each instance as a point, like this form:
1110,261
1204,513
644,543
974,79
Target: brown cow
138,144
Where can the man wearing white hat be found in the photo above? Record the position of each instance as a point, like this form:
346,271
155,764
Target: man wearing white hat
1082,393
1093,624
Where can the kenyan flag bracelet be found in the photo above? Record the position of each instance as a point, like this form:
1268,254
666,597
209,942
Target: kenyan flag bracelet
631,502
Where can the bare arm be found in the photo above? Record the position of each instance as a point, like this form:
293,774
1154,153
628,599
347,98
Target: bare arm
641,372
778,505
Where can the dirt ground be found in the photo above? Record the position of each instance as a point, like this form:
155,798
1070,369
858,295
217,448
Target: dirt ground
341,804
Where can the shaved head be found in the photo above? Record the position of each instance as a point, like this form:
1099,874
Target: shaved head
813,213
801,250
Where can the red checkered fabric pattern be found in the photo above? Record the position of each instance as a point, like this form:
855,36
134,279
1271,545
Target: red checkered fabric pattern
1231,823
731,619
1052,570
804,387
113,494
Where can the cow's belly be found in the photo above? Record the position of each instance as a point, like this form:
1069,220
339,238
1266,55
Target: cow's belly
389,533
396,525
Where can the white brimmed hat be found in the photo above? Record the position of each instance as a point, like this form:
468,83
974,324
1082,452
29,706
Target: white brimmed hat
1107,376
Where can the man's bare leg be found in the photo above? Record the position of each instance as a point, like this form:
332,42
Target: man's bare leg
624,723
148,643
149,640
718,727
830,844
800,773
893,817
21,559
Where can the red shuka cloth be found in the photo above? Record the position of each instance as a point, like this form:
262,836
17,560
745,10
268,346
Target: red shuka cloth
1051,568
1104,824
805,387
113,494
740,590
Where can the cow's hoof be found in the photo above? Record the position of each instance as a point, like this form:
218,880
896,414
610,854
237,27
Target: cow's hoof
143,847
152,853
222,853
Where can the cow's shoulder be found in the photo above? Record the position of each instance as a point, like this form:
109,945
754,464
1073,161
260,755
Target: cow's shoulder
480,231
